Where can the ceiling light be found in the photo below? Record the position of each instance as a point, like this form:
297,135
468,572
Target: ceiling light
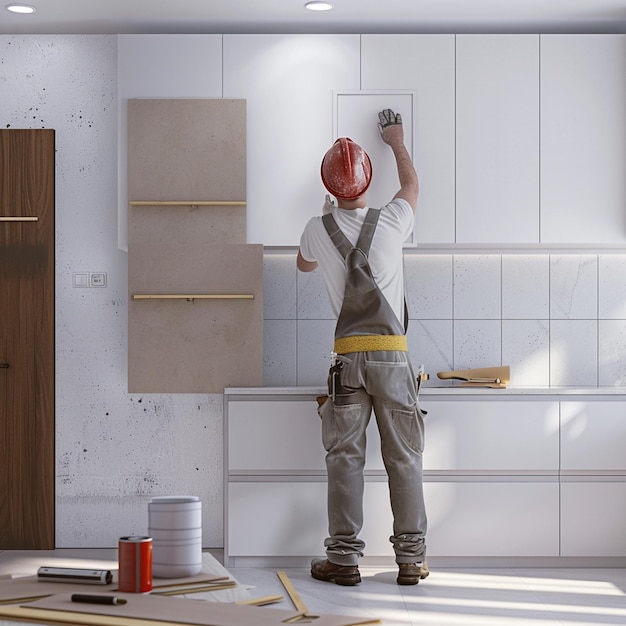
20,8
318,5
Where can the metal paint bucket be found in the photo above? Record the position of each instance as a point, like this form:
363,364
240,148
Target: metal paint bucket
175,523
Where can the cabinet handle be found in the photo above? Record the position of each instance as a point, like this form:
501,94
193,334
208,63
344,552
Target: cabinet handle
4,366
191,203
18,219
196,296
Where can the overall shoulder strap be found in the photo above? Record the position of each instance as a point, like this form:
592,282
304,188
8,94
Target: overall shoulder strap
367,231
342,243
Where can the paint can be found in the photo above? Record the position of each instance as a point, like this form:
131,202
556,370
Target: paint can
135,564
175,524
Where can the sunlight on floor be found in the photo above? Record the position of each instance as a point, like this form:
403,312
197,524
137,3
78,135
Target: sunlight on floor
508,582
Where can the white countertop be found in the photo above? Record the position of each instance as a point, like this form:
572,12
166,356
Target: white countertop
447,390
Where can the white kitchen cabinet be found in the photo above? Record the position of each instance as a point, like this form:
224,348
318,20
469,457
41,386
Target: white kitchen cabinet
497,437
593,489
490,477
583,151
593,438
465,519
497,139
288,82
272,519
593,518
493,519
423,64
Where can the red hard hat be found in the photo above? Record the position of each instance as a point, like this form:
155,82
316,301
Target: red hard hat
346,169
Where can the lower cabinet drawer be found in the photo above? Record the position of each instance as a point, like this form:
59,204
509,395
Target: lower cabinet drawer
490,519
483,519
276,519
593,518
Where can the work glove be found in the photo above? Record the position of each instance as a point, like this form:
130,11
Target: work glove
388,118
329,205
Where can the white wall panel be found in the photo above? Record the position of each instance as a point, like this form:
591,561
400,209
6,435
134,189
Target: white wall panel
497,138
423,64
288,81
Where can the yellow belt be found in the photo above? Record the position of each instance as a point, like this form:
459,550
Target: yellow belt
370,343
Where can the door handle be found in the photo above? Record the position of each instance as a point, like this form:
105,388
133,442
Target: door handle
18,219
4,366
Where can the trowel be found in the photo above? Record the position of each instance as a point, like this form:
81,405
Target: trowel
494,377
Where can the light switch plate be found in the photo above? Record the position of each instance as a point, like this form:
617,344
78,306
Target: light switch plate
80,279
98,279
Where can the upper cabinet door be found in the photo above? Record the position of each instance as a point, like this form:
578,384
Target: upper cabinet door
288,81
423,64
497,139
583,139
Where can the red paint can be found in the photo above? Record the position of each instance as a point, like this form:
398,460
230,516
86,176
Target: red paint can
135,564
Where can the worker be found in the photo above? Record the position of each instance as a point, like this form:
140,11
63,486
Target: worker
359,251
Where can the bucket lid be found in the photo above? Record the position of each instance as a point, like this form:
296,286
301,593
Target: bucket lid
173,499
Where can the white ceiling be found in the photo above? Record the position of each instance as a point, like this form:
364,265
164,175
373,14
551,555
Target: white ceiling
289,16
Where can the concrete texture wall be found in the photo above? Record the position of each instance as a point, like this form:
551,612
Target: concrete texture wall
114,450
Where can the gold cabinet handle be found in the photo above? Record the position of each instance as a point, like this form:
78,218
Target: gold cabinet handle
191,203
18,219
197,296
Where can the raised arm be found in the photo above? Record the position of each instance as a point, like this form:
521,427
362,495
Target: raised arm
392,133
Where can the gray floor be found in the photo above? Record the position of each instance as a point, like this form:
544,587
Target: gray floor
463,597
448,597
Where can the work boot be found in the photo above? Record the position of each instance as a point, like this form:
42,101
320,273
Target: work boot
411,573
323,569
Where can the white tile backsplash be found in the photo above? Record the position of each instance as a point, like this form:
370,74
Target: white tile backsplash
429,280
313,302
612,353
526,349
477,287
279,287
431,345
525,287
315,341
573,286
477,343
612,286
573,353
556,319
279,353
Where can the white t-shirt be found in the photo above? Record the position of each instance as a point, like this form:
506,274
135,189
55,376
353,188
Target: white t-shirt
385,257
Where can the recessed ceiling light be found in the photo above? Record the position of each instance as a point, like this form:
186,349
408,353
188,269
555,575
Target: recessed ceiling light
20,8
318,5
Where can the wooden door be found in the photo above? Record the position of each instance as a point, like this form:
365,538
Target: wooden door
27,459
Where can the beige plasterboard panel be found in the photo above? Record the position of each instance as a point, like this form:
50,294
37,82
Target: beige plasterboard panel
195,345
150,609
186,149
185,225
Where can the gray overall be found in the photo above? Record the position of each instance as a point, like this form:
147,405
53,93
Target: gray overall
359,381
